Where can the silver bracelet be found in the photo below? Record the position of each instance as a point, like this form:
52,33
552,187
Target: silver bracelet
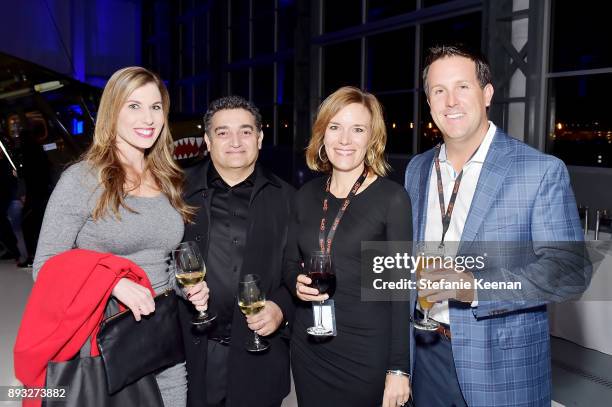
398,373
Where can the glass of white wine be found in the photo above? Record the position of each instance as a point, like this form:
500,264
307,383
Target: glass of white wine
189,269
251,300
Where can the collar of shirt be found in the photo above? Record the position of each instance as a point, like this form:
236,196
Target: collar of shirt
480,155
215,180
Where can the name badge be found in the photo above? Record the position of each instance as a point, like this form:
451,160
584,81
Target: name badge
328,315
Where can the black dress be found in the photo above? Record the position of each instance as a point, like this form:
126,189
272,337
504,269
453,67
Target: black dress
350,368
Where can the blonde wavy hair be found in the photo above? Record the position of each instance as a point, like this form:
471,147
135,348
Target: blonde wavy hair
104,156
375,155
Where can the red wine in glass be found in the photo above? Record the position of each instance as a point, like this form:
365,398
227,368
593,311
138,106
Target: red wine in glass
323,279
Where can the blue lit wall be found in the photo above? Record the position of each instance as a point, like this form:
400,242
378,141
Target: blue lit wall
87,40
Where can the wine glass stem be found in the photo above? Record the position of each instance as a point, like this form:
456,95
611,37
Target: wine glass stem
256,339
320,322
202,314
426,315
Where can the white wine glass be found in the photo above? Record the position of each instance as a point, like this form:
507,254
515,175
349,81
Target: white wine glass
189,270
251,300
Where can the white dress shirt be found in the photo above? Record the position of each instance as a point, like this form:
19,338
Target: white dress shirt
433,227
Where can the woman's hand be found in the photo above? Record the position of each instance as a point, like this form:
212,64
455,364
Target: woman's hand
397,390
198,295
134,296
306,293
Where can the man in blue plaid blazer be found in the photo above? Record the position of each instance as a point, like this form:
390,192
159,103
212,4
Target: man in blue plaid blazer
487,352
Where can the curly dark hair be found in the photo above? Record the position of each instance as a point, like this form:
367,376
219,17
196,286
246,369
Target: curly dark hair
231,102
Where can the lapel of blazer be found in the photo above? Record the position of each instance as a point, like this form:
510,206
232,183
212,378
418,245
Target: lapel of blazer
496,165
423,191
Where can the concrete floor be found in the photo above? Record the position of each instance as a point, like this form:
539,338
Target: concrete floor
581,377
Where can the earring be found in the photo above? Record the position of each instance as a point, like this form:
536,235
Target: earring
321,158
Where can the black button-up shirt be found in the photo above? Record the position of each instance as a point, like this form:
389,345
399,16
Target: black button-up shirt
228,232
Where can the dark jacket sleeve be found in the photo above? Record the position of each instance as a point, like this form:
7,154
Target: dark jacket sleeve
399,228
292,263
281,295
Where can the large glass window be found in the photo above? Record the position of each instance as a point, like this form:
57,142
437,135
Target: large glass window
239,30
579,123
381,9
389,66
263,85
263,34
465,29
580,35
398,110
240,83
341,66
338,15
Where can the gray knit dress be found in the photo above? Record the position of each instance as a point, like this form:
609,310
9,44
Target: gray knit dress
145,237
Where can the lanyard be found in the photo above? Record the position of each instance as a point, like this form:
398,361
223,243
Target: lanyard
326,245
446,214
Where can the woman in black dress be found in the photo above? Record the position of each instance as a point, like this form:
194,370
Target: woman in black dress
365,364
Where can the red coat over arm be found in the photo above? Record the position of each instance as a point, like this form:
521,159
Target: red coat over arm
66,307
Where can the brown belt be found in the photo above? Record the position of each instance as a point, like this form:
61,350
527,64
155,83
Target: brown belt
444,331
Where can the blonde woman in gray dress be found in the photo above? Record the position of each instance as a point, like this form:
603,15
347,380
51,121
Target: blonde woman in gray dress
124,197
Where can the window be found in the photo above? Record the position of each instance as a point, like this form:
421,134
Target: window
580,36
389,66
429,3
579,124
239,28
263,85
240,83
263,34
398,110
341,66
381,9
339,15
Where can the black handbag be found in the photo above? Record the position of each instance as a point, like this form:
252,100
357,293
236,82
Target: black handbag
134,349
84,378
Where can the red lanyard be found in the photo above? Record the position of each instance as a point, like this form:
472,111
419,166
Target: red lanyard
325,244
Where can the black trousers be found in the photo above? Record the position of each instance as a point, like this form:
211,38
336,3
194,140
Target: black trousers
435,383
7,237
216,376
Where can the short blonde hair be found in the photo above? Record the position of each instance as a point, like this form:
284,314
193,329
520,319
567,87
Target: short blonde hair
375,155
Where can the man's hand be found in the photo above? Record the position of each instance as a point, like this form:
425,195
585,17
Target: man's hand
134,296
198,295
449,276
306,293
397,391
266,321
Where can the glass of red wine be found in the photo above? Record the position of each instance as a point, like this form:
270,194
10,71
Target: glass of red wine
319,270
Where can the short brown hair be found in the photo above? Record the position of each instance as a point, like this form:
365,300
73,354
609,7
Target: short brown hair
375,156
483,69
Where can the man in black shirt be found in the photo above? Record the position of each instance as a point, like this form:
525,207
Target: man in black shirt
241,228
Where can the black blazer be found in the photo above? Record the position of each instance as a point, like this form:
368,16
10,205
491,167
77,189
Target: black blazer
254,380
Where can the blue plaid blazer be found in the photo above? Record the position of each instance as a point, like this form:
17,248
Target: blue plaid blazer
502,349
